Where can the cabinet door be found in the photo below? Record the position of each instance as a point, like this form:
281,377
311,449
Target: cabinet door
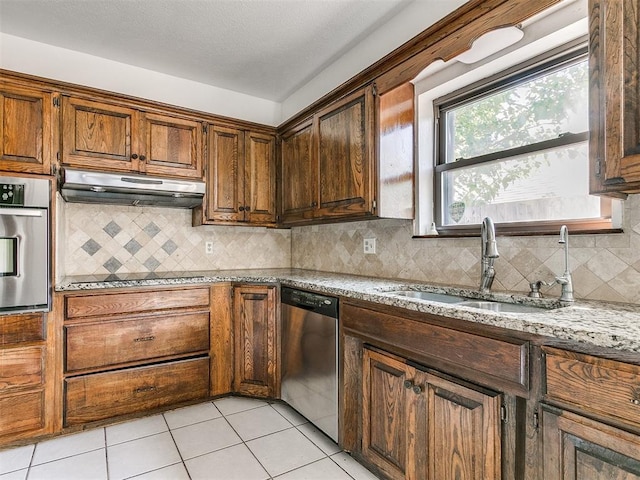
100,136
577,448
173,146
346,155
256,348
25,139
260,178
387,416
463,427
299,179
225,188
614,62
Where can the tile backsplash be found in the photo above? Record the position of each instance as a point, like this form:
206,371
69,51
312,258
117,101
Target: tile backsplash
604,267
104,239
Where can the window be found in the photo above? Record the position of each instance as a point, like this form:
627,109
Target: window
515,148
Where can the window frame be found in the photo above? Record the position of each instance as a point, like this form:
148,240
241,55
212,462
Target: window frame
554,60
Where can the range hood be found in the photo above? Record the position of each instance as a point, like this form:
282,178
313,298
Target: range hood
85,186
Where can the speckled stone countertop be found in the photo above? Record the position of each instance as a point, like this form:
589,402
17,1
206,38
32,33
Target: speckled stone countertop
600,324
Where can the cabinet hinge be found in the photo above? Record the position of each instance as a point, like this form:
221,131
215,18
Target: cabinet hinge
374,204
536,420
598,167
56,101
206,130
503,414
374,90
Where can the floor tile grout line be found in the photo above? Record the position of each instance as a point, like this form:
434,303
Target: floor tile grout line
106,452
176,445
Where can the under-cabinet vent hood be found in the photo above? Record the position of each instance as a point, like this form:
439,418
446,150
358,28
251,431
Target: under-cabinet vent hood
84,186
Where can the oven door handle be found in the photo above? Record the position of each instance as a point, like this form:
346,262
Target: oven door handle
21,212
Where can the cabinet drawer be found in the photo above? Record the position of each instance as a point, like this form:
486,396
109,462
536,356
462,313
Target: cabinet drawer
595,385
503,362
93,345
134,302
21,328
20,367
103,395
21,412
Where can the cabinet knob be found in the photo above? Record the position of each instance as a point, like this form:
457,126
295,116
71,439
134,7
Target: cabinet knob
408,384
142,158
247,209
635,401
314,204
134,156
417,389
241,208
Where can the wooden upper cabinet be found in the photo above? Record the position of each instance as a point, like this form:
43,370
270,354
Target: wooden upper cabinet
299,174
260,178
614,62
328,162
346,155
111,137
26,137
241,176
256,356
173,146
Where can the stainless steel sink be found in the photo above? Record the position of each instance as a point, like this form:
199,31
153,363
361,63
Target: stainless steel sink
491,305
429,296
502,306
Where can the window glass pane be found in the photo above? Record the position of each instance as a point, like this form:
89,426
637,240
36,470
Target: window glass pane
549,185
536,110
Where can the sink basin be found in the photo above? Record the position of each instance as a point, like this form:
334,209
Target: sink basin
491,305
429,296
502,306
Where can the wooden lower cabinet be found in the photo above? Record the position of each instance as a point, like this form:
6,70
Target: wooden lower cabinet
23,386
577,448
256,343
99,396
416,424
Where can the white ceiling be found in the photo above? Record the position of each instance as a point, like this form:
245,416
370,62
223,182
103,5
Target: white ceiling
264,48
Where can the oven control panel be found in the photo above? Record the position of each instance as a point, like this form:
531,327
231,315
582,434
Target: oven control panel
11,194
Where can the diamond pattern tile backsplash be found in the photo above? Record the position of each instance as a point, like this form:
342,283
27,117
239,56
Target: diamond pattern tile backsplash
103,239
603,267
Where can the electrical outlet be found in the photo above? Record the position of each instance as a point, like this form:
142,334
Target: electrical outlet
369,245
208,248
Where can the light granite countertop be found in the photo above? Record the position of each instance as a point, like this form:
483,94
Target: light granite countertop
600,324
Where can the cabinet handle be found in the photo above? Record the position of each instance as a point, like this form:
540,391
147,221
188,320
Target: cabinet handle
408,384
145,339
144,389
134,156
241,208
142,158
417,389
635,401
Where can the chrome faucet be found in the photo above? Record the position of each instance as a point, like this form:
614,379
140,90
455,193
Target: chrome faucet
489,254
565,279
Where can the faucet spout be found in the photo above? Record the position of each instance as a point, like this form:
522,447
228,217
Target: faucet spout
565,280
489,254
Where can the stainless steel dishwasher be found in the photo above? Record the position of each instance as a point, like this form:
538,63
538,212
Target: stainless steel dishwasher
310,357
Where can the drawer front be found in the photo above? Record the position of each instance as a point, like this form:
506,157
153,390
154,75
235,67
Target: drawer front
93,345
104,395
503,361
21,328
24,412
21,367
134,302
595,385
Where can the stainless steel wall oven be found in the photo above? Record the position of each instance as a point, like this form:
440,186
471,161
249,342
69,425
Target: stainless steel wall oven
25,283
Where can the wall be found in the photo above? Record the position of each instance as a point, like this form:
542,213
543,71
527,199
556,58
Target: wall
604,267
103,239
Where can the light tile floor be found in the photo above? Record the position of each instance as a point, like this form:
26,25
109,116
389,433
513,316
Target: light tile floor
232,438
